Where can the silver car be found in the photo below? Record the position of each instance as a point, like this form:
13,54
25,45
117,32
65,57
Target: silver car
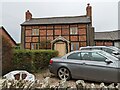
109,49
95,65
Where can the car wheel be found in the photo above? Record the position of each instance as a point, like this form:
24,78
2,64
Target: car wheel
64,73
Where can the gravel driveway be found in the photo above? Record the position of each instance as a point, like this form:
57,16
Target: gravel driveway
55,81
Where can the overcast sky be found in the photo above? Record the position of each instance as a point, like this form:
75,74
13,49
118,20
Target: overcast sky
105,13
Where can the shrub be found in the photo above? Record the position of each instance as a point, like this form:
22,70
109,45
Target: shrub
32,60
22,59
41,58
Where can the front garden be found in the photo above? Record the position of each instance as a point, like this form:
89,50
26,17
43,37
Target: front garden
19,59
31,60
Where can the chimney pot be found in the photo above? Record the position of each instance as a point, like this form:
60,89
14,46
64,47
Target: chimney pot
28,15
88,4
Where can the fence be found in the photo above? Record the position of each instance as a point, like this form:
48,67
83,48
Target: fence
45,85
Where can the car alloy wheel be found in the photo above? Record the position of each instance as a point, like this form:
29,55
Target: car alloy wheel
64,73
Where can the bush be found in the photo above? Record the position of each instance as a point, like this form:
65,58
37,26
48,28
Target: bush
22,60
32,60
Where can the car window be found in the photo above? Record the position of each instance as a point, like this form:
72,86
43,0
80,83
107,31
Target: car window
96,48
97,57
92,56
108,50
75,56
85,56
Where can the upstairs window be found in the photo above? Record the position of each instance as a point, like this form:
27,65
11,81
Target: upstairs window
73,30
35,31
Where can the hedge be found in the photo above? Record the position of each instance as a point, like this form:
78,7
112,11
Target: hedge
32,60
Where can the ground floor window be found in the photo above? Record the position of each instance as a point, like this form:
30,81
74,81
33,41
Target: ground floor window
74,46
34,46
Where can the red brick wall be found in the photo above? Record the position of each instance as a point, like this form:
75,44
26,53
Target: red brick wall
50,32
103,43
65,31
35,39
42,38
74,38
28,32
83,44
108,43
27,45
50,38
42,32
82,38
2,32
28,39
57,31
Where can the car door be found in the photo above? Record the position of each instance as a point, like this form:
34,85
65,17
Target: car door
75,65
95,68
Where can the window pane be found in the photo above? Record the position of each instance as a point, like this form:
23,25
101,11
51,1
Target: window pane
73,30
74,46
75,56
108,50
92,56
37,45
85,56
34,45
98,57
35,31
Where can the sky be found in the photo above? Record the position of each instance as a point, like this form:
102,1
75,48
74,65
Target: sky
119,15
104,13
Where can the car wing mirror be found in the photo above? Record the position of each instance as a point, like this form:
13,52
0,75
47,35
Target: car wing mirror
116,53
108,61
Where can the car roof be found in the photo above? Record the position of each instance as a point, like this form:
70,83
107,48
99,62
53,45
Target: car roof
82,51
89,47
92,46
88,51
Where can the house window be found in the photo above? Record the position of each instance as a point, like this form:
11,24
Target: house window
35,31
34,46
74,46
73,30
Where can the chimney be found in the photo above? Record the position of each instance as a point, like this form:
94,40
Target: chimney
28,15
89,11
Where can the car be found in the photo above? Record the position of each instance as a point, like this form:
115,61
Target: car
19,75
95,65
110,49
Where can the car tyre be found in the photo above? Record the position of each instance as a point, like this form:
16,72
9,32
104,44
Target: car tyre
64,73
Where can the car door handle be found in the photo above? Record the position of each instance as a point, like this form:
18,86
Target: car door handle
83,63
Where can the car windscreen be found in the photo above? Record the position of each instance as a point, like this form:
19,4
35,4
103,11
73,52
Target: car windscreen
115,49
108,55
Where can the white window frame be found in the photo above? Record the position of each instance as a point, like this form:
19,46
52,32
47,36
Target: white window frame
35,46
35,31
73,30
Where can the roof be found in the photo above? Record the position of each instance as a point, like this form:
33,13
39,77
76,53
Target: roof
58,20
111,35
1,27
